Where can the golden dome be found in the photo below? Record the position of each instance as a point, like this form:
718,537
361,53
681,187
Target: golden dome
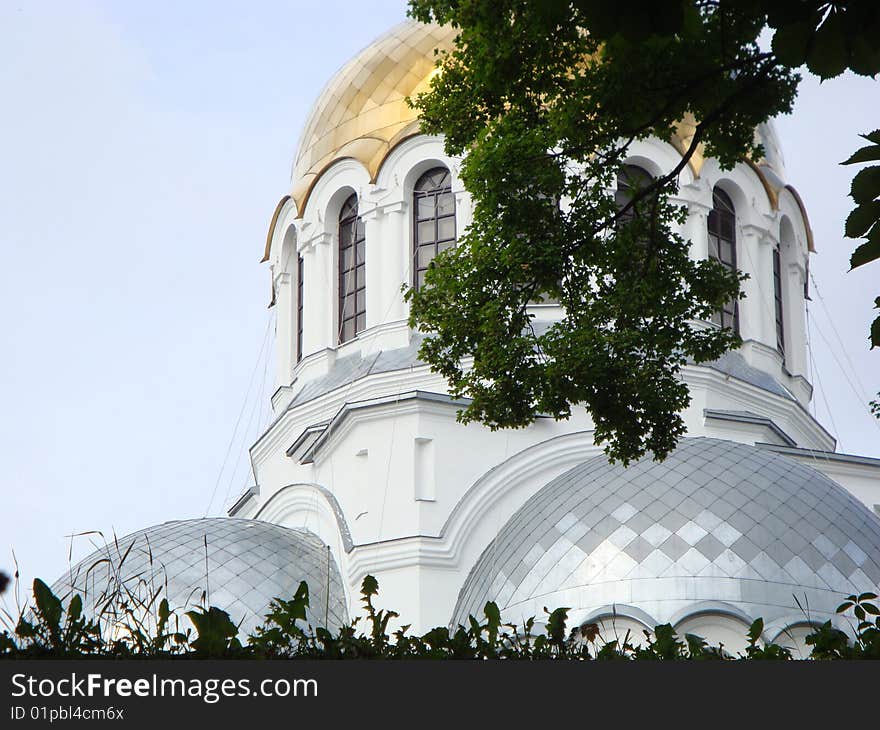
362,113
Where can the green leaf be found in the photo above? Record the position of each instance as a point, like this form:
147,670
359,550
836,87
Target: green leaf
755,630
369,586
74,608
791,43
164,610
48,604
556,625
867,596
875,332
867,252
864,56
872,136
493,615
862,218
866,184
868,153
843,607
215,631
828,55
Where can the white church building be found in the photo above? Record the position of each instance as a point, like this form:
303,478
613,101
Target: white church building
364,468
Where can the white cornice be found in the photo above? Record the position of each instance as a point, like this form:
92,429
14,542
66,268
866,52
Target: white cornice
760,401
280,434
324,238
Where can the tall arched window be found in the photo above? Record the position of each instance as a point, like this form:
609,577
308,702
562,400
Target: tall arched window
352,271
630,179
722,248
299,308
777,298
433,220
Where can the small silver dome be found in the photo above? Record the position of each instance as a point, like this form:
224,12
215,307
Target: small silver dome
235,564
716,527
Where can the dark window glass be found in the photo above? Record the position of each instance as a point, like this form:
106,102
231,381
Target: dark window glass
352,271
299,308
777,296
433,220
630,180
722,248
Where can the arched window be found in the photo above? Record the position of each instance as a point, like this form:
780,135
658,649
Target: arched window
352,270
630,179
299,308
433,220
777,297
722,248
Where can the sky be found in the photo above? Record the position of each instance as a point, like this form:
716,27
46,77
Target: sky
143,147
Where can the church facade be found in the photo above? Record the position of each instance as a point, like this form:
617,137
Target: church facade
754,515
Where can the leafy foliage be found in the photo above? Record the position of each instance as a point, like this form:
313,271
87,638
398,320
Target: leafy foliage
864,221
831,643
216,634
547,114
50,631
546,100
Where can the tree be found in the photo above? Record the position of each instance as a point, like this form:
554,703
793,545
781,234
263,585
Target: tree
545,100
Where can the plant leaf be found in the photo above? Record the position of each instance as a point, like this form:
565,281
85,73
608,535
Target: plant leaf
791,42
48,604
369,586
860,220
866,184
828,56
869,153
74,608
867,252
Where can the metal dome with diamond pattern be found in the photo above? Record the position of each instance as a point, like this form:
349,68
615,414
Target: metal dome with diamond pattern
718,526
238,565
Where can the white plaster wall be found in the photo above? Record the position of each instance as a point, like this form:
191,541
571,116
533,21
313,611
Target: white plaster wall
422,495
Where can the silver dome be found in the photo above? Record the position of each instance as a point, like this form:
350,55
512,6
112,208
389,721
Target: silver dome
717,527
235,564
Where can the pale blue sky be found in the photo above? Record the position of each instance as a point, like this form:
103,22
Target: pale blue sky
143,147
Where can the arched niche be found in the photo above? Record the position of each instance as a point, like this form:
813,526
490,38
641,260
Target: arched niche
718,628
793,637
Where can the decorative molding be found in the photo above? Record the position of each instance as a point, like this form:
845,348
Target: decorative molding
328,497
751,418
819,454
324,238
246,497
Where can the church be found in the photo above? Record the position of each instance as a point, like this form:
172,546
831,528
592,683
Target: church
364,469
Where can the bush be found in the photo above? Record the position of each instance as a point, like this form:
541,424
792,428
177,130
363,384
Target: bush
49,630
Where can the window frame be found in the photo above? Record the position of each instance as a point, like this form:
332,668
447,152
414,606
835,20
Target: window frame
351,281
300,302
636,177
779,301
721,224
420,193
